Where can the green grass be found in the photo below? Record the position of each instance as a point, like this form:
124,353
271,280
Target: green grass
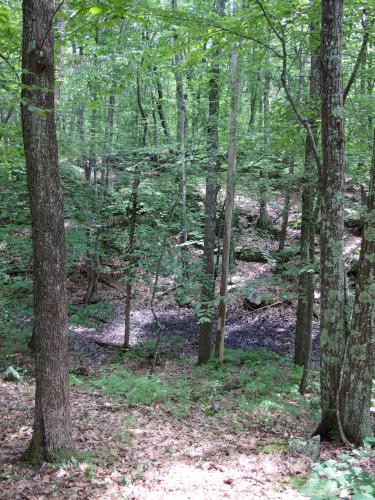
259,384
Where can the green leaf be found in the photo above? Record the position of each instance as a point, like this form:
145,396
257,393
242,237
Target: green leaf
96,10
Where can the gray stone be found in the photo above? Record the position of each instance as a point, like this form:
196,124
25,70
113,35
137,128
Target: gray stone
12,375
309,447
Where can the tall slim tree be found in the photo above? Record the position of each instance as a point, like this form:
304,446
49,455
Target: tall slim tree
332,323
308,223
229,202
52,435
208,282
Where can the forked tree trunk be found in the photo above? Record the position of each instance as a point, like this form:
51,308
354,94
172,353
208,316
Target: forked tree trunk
332,325
208,281
52,434
232,154
356,384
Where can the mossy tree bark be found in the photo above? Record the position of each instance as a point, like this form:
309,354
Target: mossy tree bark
52,436
332,328
355,389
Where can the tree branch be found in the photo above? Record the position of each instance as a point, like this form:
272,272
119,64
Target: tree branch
361,52
5,59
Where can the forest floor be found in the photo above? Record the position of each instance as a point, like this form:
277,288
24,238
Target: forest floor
186,432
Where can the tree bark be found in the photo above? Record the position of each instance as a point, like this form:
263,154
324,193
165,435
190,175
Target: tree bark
232,154
208,281
356,385
305,304
332,324
264,221
52,434
181,135
286,208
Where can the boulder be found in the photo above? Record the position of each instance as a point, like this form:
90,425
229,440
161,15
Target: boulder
253,300
251,254
309,447
12,375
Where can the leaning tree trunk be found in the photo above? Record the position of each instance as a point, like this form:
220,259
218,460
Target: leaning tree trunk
307,243
332,326
208,281
52,434
356,384
232,156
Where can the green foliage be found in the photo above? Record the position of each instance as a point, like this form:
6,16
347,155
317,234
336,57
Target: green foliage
91,314
342,478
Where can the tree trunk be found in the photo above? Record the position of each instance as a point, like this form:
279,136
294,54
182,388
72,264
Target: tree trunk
159,105
52,434
181,135
355,389
131,256
285,221
303,339
264,220
332,326
232,152
208,282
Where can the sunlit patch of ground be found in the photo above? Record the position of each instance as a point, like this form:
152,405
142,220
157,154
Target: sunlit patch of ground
149,452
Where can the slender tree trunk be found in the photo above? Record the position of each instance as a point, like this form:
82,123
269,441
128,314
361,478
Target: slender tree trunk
232,153
52,434
285,221
132,261
159,105
358,370
264,219
109,141
181,136
332,327
307,243
92,228
142,113
208,283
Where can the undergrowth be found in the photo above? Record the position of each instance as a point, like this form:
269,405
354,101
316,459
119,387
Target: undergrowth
259,383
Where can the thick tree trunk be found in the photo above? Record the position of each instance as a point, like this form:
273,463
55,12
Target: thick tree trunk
307,248
332,327
232,153
52,435
208,282
356,384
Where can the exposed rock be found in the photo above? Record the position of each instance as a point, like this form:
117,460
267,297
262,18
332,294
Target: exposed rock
11,375
309,447
254,300
251,254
